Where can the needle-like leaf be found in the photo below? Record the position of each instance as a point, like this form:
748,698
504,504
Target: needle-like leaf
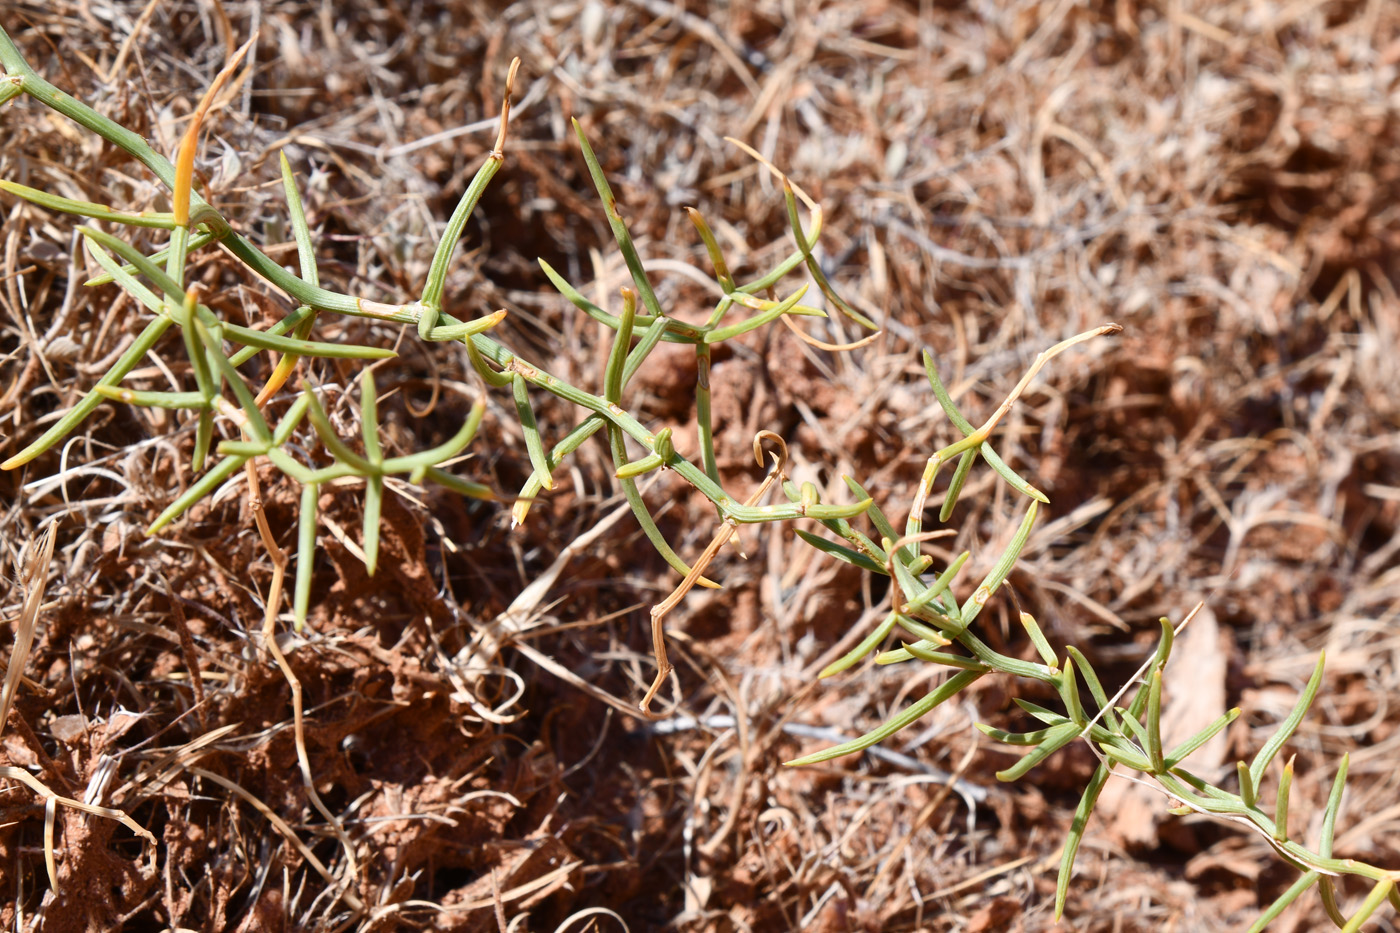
948,689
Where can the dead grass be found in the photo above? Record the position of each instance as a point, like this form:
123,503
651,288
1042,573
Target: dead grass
1220,178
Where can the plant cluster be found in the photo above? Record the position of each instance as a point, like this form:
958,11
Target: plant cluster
938,628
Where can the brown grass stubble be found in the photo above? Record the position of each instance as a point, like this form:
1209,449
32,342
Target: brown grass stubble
1238,445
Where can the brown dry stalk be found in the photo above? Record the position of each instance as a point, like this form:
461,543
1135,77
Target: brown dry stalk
35,575
189,144
725,534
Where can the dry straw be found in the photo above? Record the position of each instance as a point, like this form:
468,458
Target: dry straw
35,576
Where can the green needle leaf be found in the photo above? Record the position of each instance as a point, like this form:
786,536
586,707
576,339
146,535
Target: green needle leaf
643,349
79,412
1180,752
483,369
1334,806
1286,729
170,400
436,455
1378,895
1056,738
374,503
924,653
1285,785
813,267
839,552
266,340
675,333
619,228
1091,679
989,585
955,485
622,343
639,509
124,278
471,328
1164,645
195,243
299,320
1154,722
707,236
306,552
306,250
570,442
928,637
1042,646
1124,755
254,422
326,432
1019,738
949,688
202,487
638,467
704,417
1069,693
460,486
786,306
944,399
937,589
442,257
1013,479
867,645
87,209
534,446
369,418
1076,836
1281,903
1248,789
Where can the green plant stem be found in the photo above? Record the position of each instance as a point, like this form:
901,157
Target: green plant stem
75,415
